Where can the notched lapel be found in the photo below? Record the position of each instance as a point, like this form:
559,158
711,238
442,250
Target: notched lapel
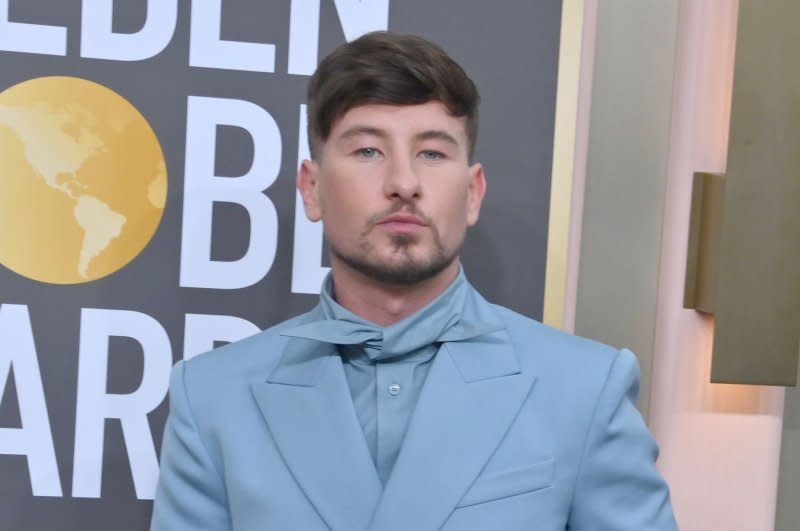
472,395
309,411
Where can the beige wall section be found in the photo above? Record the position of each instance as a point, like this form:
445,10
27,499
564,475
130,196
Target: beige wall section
583,119
626,176
569,62
571,136
719,443
660,110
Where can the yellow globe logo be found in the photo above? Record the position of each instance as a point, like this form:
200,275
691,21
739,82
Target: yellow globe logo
83,180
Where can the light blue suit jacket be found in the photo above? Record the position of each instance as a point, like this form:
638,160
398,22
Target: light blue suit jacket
527,428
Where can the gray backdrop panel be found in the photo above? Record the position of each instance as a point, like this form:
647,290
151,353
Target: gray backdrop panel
510,50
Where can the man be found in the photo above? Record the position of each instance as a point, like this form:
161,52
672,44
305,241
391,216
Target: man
404,401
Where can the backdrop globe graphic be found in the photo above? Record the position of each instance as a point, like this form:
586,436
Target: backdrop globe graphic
83,181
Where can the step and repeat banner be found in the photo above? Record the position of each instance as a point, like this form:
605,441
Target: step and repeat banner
148,150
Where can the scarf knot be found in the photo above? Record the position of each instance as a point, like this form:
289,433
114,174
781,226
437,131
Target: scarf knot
440,321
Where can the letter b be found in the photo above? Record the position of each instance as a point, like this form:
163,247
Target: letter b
202,188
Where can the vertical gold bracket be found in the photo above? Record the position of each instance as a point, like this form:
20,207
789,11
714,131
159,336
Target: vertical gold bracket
705,237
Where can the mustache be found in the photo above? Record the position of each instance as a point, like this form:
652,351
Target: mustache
404,207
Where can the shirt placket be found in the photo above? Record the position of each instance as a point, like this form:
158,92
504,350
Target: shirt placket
395,402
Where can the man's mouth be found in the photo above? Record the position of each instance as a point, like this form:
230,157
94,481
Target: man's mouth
402,222
403,218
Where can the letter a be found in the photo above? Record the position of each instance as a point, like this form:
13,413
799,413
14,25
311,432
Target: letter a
34,440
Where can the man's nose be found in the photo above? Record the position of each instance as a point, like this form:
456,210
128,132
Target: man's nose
402,180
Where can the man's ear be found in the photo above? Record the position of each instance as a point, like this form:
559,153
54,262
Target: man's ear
475,193
308,186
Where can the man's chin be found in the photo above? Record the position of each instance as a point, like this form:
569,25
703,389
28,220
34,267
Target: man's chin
401,273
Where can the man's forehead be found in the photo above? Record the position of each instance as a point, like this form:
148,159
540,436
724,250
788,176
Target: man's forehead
412,120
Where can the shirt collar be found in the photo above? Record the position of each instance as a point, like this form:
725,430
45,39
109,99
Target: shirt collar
439,321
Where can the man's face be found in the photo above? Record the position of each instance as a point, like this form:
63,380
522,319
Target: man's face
395,191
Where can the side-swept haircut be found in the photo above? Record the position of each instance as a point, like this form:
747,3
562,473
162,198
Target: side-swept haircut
388,68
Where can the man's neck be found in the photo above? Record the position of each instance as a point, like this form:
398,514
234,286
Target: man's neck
385,304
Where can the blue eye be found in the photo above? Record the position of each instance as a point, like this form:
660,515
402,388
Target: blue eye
367,153
429,154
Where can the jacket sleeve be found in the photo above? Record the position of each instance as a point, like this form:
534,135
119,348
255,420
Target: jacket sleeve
618,486
191,492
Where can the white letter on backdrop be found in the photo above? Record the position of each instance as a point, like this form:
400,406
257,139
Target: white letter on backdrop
357,17
207,49
99,41
202,188
95,405
30,38
34,439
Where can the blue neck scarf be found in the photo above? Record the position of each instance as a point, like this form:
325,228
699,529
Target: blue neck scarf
440,321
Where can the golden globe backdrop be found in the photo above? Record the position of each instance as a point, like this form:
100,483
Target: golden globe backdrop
148,212
84,180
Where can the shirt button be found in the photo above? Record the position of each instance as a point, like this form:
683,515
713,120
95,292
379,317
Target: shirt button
394,389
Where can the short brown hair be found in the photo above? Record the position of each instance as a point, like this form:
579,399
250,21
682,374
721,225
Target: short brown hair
388,68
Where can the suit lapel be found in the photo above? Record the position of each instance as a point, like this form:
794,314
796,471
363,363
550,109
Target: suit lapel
308,408
471,396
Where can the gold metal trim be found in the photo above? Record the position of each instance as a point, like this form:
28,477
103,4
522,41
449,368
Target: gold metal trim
569,58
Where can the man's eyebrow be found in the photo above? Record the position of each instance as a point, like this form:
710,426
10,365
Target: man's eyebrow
358,130
437,134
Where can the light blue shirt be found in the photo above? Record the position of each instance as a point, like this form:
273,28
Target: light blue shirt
386,367
384,396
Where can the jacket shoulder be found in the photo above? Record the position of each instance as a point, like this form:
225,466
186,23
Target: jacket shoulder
573,362
256,354
552,341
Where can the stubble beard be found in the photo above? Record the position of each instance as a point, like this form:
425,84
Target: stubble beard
402,269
